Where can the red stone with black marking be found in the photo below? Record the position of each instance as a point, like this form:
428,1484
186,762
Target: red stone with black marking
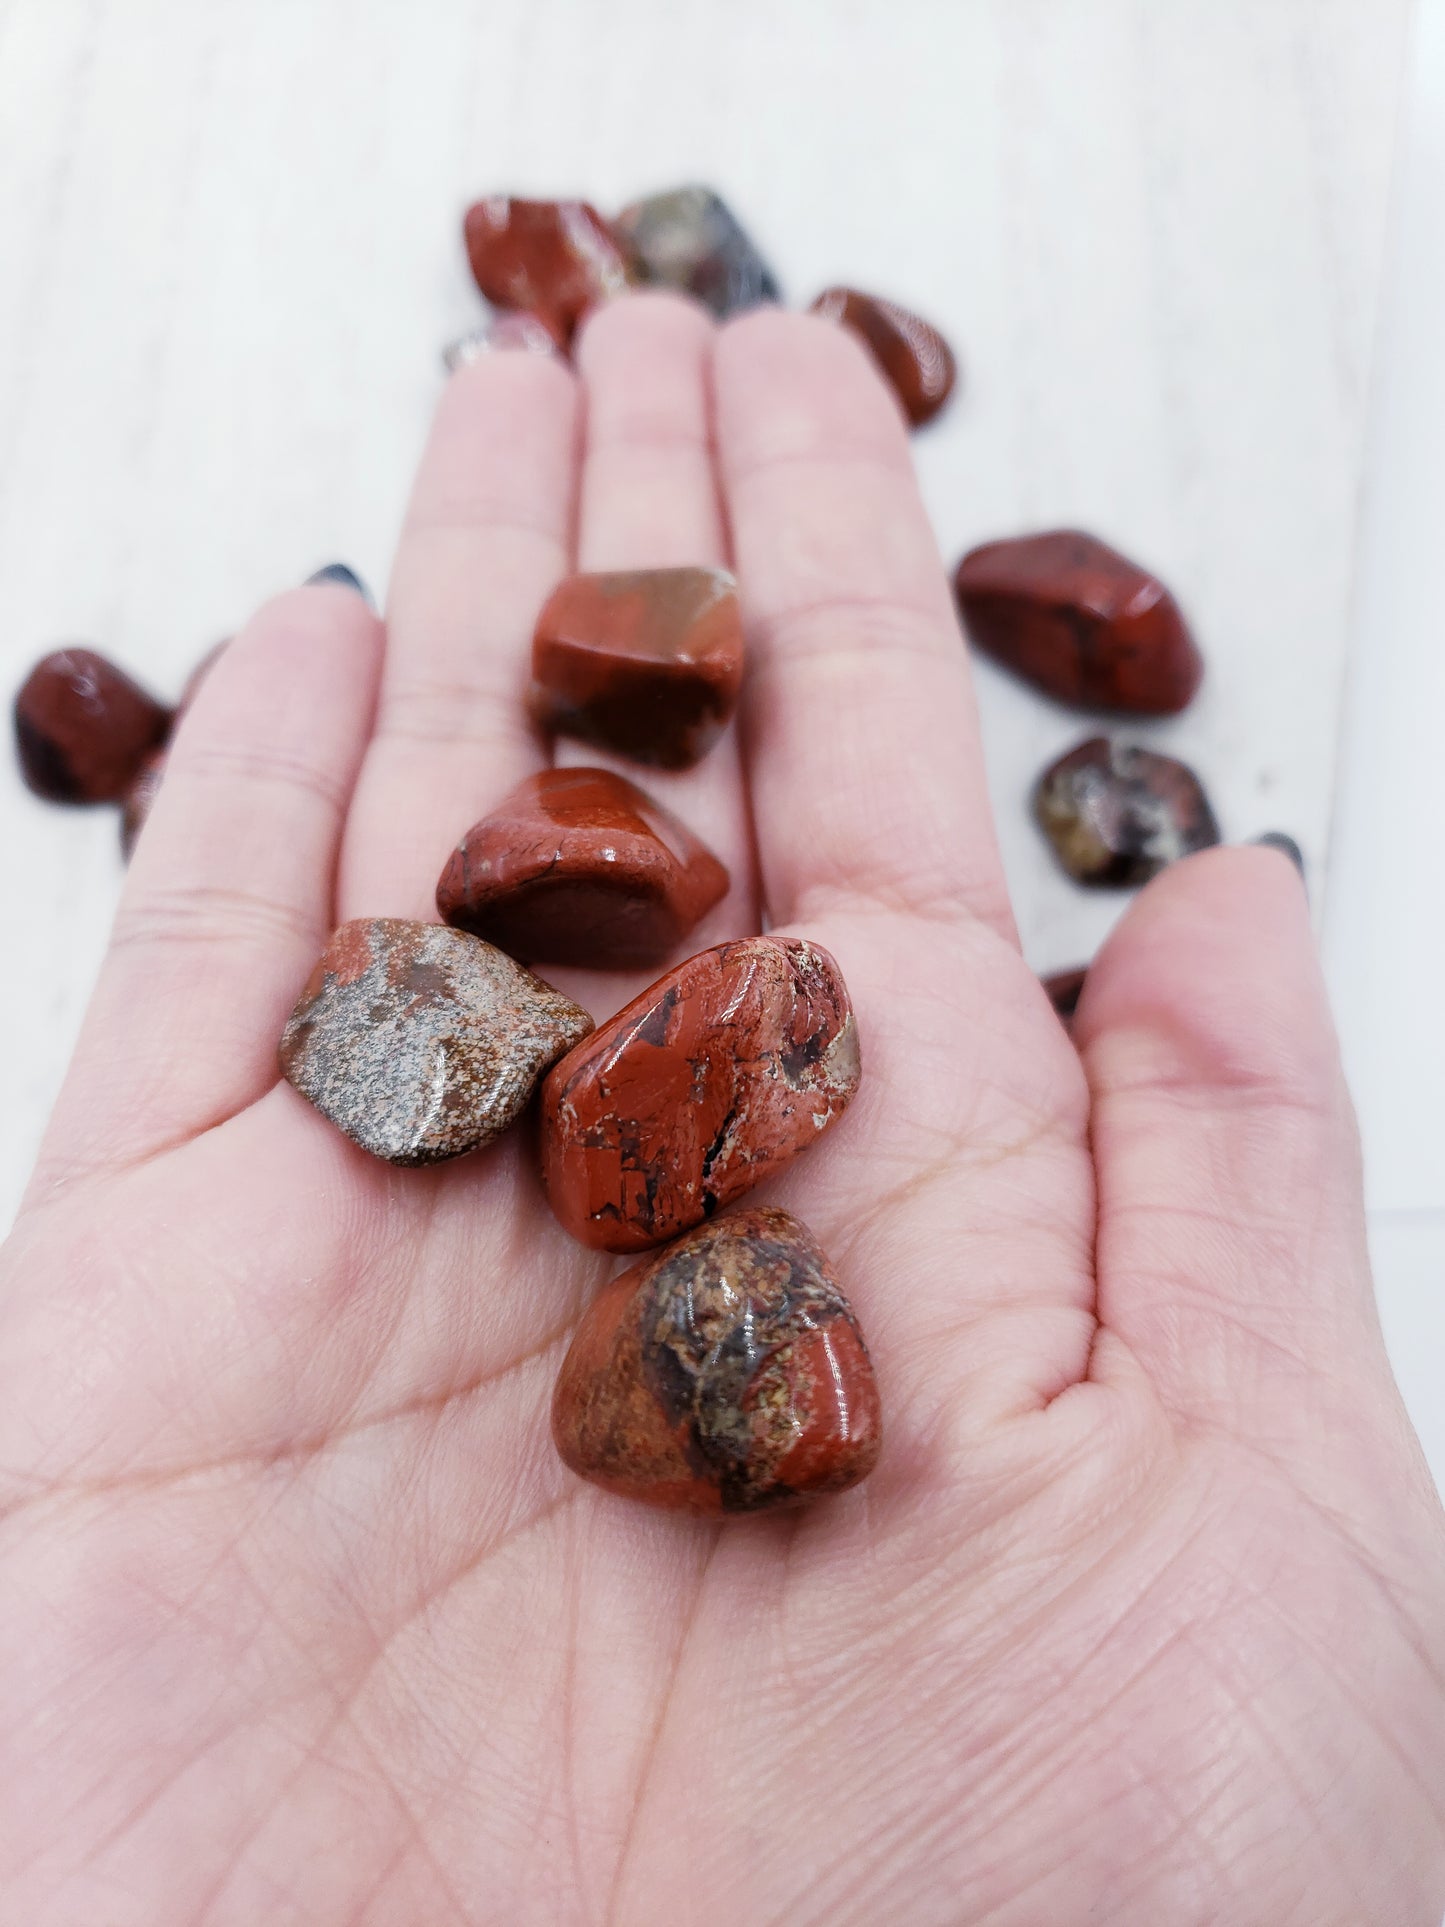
83,728
710,1081
556,259
914,356
726,1373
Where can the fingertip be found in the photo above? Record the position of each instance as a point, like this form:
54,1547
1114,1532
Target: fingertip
660,316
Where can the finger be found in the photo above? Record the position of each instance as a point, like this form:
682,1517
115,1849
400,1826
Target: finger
486,537
649,499
1230,1222
229,894
860,729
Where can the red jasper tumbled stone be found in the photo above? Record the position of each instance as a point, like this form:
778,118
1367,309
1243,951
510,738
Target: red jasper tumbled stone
556,259
726,1373
83,728
579,866
711,1080
911,352
647,662
1079,621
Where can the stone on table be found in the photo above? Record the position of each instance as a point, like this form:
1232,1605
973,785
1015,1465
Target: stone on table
914,356
139,800
710,1081
83,728
725,1373
1117,814
579,866
688,238
646,662
1079,621
555,259
422,1043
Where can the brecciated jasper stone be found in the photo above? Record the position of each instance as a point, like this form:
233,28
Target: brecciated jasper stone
1116,814
83,728
647,662
139,800
421,1042
1079,621
578,866
710,1081
689,238
911,352
556,259
724,1374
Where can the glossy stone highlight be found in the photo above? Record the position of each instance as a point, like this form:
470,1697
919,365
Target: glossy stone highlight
911,352
139,800
689,238
83,728
726,1373
422,1043
647,662
556,259
579,866
1079,621
1116,814
711,1080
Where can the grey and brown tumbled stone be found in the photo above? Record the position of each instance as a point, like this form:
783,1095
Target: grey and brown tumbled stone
422,1043
1117,814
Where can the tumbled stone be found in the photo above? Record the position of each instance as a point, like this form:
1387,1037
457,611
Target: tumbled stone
1079,621
647,662
578,866
421,1043
726,1373
1116,814
709,1082
1063,990
83,728
914,356
139,800
503,334
556,259
689,238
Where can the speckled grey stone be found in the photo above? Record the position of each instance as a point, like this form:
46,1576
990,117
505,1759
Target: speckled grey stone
420,1042
689,238
1117,814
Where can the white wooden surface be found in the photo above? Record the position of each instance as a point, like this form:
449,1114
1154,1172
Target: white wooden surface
229,255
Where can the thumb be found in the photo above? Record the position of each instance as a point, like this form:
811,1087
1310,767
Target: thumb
1231,1251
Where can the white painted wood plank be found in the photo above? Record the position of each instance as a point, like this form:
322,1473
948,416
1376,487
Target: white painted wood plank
229,247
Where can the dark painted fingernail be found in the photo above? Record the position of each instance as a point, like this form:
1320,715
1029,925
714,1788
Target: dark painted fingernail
1286,845
505,333
345,578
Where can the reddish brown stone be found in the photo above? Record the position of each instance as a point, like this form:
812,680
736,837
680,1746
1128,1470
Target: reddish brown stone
647,662
1079,621
140,800
421,1043
724,1374
578,866
911,352
83,728
710,1081
554,258
1063,990
1116,814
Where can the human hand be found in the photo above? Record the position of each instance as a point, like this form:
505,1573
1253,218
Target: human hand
1141,1617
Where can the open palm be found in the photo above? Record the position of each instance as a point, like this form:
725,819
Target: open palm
1141,1617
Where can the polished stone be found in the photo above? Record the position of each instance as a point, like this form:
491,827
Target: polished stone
688,238
139,800
1079,621
917,361
647,662
83,728
422,1043
555,259
579,866
726,1373
1117,814
710,1081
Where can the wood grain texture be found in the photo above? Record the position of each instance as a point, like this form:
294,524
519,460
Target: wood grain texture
230,247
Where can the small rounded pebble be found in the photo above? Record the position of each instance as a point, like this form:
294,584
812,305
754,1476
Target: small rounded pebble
83,728
725,1374
1116,814
555,259
688,238
917,361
